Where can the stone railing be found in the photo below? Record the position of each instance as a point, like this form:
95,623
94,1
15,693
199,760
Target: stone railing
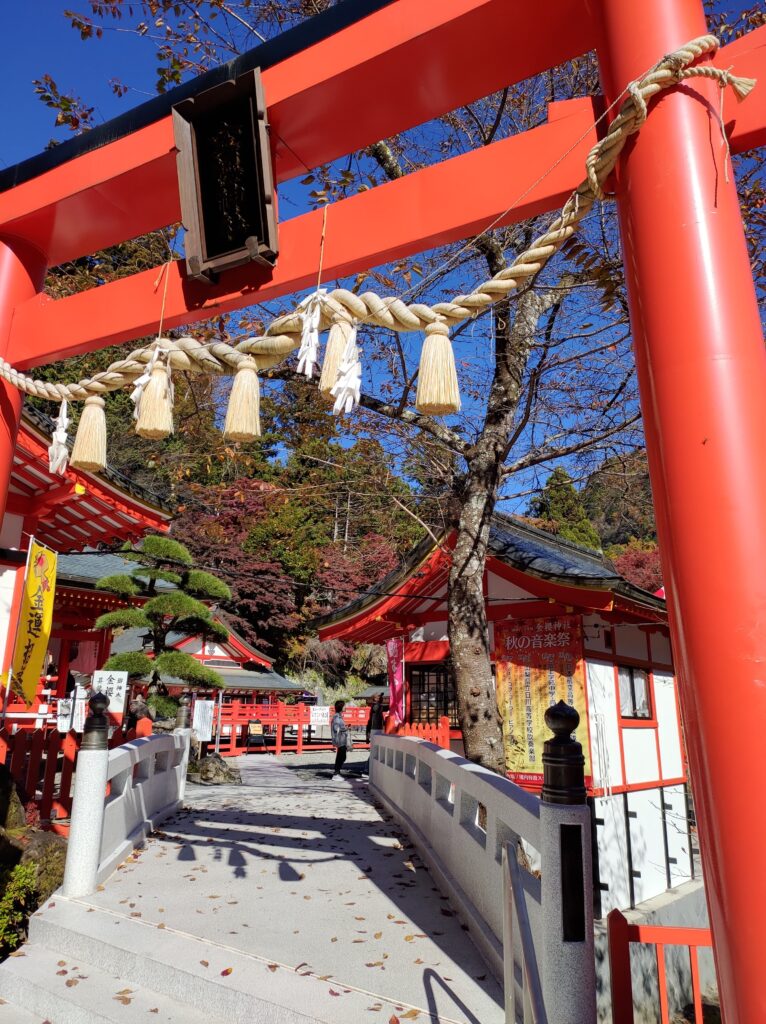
120,796
516,868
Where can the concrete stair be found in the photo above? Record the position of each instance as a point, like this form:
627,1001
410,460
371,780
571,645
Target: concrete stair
128,970
10,1014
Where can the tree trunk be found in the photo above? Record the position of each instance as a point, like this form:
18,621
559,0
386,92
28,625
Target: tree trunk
468,630
467,625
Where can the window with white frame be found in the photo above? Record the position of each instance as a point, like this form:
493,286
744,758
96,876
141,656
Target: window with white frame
634,692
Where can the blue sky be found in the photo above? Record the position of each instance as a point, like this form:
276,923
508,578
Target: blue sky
38,40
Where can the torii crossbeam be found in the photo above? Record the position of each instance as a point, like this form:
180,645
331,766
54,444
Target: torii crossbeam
696,330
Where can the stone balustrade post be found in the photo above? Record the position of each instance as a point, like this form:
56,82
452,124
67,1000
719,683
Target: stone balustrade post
568,966
183,728
84,847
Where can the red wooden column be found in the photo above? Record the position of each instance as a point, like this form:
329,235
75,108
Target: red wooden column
22,270
702,375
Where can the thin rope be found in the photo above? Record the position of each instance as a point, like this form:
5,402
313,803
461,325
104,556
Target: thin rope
321,245
166,271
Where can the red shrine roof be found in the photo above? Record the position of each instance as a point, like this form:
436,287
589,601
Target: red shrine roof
556,576
78,509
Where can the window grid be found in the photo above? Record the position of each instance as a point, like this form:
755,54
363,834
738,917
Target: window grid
432,694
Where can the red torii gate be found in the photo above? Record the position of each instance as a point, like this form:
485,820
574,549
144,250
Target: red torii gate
699,351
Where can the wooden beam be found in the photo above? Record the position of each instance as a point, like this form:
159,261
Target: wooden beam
383,74
449,201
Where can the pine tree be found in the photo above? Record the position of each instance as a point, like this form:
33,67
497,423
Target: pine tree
180,610
561,505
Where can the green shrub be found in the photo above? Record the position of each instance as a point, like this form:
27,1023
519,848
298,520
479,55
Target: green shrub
18,901
166,707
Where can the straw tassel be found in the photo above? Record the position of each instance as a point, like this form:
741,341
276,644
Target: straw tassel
89,451
742,86
333,355
438,392
243,420
155,407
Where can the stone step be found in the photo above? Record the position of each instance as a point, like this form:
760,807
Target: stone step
11,1014
57,989
241,987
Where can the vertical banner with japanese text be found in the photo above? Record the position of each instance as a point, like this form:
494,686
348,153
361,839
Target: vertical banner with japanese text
395,659
538,662
35,620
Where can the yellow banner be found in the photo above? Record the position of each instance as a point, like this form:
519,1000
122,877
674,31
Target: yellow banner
538,662
35,619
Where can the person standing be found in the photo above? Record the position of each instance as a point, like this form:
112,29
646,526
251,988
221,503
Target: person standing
375,721
374,724
339,733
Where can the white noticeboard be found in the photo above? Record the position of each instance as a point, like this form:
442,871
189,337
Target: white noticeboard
64,713
115,686
319,715
202,722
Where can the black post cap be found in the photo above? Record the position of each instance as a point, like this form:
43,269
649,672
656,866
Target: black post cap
563,760
182,714
96,724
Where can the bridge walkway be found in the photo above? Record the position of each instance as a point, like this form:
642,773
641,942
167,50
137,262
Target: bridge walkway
290,898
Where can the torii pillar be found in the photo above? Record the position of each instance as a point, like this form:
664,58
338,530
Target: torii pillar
22,272
702,375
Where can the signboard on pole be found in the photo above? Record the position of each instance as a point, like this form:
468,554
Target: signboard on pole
319,715
202,721
34,626
113,685
538,663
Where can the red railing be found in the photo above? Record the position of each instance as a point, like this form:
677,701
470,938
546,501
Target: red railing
42,764
621,934
236,716
438,734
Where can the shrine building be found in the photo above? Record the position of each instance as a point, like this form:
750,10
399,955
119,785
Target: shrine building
563,624
73,513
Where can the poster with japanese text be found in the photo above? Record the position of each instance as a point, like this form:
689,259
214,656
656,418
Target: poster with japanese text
35,619
115,686
538,662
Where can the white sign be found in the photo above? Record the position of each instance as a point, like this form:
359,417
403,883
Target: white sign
319,715
202,722
115,686
64,713
71,714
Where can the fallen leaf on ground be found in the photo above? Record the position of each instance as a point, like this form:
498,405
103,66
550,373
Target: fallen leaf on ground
226,972
410,1014
71,982
378,935
205,963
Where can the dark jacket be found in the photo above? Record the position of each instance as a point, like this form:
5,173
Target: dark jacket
375,721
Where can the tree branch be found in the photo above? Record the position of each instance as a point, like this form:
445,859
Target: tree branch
446,437
534,458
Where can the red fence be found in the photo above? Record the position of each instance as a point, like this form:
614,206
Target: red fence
274,718
236,717
438,734
621,935
42,764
